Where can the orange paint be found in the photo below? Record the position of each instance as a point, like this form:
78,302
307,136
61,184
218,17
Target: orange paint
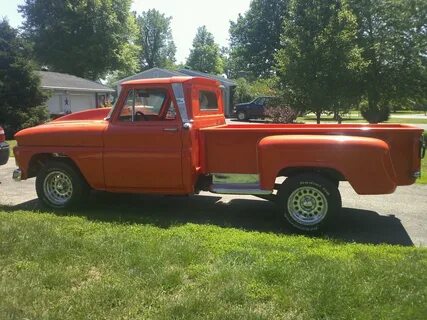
167,156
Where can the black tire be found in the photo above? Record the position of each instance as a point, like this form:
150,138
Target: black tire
241,116
309,201
68,190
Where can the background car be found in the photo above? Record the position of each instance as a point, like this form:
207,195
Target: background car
252,110
4,148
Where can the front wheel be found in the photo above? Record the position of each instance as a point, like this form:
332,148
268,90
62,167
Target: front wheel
309,201
59,185
241,115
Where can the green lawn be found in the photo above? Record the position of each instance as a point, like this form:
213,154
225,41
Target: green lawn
64,267
11,143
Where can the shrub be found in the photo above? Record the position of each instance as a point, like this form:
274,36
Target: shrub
279,112
375,114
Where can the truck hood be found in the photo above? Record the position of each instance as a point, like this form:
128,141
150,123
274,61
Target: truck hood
242,105
64,133
92,114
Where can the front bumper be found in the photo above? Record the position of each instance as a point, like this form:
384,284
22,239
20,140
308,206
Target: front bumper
4,153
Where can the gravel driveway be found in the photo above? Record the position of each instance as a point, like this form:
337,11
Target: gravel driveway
399,218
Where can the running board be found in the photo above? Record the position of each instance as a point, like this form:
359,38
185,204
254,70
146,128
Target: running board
235,183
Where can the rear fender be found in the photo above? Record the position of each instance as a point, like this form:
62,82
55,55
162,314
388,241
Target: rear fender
364,162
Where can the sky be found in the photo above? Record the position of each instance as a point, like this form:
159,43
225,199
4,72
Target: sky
187,16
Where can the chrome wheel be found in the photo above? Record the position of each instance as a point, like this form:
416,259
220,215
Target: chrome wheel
58,188
307,205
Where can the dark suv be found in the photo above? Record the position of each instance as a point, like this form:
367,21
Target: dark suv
4,148
252,110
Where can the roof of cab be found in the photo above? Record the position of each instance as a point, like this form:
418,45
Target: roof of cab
197,80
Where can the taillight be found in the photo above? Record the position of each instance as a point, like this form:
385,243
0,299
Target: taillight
2,136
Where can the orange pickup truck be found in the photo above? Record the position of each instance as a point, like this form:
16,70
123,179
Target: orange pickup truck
169,136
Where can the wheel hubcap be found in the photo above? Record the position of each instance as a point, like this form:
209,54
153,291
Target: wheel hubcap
58,187
307,205
241,116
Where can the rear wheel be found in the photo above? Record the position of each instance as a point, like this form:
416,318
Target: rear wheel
59,185
309,201
241,115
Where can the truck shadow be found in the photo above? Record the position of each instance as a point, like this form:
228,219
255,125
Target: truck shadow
353,225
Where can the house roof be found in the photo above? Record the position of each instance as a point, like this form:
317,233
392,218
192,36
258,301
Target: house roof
195,73
164,73
63,81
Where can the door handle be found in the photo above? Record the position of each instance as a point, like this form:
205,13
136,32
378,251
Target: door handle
170,129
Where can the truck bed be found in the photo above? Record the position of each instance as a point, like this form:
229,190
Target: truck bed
232,148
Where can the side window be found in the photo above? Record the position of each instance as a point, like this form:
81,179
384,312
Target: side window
143,105
208,101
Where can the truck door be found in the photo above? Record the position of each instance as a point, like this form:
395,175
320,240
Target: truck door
142,144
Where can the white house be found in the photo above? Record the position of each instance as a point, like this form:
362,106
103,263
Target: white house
71,94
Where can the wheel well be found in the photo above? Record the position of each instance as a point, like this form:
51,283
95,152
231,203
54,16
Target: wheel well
38,161
328,173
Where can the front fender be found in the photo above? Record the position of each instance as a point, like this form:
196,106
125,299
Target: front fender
364,162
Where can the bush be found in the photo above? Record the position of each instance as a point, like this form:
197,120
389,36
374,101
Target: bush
24,119
279,112
375,115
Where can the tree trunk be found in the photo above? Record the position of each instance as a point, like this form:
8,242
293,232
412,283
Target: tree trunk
318,114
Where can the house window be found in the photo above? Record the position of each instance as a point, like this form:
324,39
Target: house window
208,101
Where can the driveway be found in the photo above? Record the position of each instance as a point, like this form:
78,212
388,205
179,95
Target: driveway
399,218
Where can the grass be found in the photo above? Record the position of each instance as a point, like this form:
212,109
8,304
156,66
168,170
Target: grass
358,119
65,267
11,143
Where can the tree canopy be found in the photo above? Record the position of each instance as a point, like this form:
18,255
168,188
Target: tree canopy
393,37
205,55
255,38
86,38
319,61
20,94
155,37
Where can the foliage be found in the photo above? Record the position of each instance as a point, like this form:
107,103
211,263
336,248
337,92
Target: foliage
246,91
86,38
76,267
155,37
393,36
375,114
278,112
255,37
319,61
205,55
20,94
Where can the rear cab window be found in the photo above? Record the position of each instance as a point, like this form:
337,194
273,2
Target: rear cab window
208,101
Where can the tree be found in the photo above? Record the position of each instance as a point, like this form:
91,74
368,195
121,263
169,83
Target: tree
247,91
319,61
20,94
393,36
82,37
205,54
155,36
255,38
